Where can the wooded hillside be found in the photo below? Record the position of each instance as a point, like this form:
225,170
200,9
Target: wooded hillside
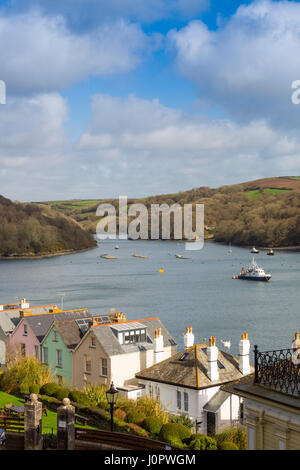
30,230
264,212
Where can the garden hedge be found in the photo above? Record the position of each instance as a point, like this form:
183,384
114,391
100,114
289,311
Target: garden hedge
174,433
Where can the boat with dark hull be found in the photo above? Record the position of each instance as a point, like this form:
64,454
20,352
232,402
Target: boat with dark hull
254,273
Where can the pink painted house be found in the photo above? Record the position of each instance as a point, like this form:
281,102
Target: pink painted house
29,333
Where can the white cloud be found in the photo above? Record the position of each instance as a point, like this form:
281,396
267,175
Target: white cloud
84,13
248,64
131,146
146,147
34,150
39,53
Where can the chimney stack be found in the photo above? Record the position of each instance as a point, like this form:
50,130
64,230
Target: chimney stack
24,304
296,342
158,346
212,357
295,348
244,348
188,339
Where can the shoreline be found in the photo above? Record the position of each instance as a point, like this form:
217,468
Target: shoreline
277,248
48,255
208,240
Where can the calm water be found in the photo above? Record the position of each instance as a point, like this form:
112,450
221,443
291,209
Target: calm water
197,292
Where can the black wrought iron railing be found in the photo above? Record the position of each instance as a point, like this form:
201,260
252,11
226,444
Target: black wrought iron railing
277,370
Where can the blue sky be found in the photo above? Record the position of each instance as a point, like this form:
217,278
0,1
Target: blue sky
138,98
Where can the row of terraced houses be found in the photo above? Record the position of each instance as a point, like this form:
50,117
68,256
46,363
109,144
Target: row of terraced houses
140,356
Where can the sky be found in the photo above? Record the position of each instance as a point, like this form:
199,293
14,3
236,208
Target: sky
124,97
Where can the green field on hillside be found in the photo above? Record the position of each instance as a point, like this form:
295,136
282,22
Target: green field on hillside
255,193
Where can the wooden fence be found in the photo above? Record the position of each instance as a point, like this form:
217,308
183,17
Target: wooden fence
117,440
12,423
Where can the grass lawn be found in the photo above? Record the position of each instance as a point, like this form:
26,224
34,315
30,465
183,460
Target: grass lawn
49,422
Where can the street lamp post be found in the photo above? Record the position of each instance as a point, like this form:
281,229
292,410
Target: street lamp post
111,396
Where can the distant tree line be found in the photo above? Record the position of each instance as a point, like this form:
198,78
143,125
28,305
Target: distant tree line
231,214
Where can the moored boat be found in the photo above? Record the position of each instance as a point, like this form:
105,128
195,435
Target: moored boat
254,273
270,252
254,250
139,256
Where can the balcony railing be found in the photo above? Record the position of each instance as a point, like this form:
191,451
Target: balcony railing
276,370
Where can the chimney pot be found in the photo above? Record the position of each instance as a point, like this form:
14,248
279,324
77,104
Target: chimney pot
244,349
188,339
158,346
212,357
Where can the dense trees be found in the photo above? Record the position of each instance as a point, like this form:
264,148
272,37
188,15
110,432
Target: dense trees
27,229
263,213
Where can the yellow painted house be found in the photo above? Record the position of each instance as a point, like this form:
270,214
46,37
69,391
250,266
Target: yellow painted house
271,411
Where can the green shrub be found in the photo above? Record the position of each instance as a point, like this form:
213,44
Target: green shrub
226,445
49,389
182,419
96,394
235,435
201,442
135,417
34,389
62,393
23,389
151,407
171,432
79,397
137,430
25,372
152,424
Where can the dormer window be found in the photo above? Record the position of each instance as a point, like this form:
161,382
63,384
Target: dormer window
130,333
133,336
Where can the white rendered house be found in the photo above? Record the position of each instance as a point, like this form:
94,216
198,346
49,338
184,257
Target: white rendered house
189,382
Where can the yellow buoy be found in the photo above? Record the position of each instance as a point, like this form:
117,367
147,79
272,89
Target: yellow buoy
161,270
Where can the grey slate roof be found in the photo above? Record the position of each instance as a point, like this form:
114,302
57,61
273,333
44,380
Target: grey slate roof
215,403
110,343
40,324
192,370
70,332
9,321
247,388
10,318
